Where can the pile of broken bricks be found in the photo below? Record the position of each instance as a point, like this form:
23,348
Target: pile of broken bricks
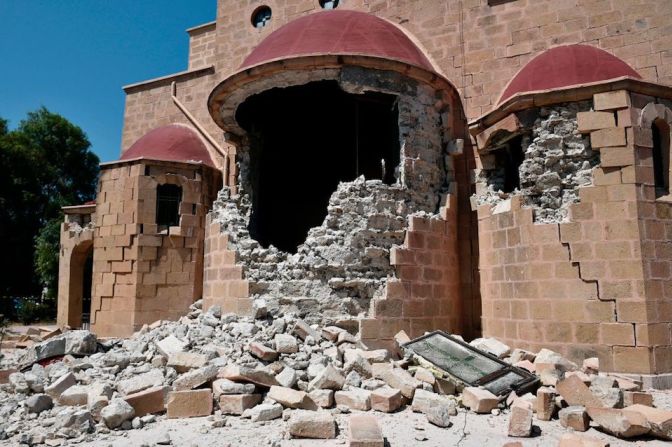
73,388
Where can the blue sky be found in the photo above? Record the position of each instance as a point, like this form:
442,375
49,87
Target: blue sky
73,57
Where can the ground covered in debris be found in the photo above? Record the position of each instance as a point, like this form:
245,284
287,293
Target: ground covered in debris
212,378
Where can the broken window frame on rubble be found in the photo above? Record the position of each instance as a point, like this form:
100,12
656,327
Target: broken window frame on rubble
491,381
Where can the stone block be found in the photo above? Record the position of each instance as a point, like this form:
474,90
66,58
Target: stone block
575,392
619,99
185,361
609,137
149,401
303,330
238,403
574,417
396,378
75,395
312,424
264,412
659,420
479,400
290,398
588,121
187,404
322,398
637,397
170,345
424,400
386,400
244,374
356,399
226,386
520,422
140,382
4,375
364,431
621,423
195,378
263,352
575,440
286,344
60,385
545,404
328,379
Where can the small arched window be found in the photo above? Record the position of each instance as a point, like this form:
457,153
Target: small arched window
261,16
168,198
661,156
329,4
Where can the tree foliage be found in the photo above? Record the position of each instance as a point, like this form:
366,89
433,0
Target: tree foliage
47,164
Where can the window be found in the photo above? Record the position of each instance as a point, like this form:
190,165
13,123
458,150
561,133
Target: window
261,16
329,4
168,198
661,156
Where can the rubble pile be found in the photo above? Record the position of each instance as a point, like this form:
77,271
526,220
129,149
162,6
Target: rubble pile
72,388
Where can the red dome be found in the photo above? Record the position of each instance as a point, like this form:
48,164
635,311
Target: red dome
338,32
567,65
175,142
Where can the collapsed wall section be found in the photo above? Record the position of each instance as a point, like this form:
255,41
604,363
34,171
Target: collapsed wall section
344,263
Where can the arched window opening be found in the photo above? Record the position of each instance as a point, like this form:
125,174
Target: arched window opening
168,198
329,4
661,156
261,16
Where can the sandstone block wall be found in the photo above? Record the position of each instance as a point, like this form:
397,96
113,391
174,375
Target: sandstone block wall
142,274
596,283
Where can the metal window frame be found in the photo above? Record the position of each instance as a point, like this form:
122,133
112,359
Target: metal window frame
528,380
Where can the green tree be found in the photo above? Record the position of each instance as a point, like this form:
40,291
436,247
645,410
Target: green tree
49,164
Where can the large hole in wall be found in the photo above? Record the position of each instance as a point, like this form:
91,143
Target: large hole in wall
306,139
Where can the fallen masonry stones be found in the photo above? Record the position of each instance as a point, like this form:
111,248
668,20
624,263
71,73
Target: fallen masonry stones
75,395
659,420
312,424
396,378
575,440
226,386
621,423
302,330
236,403
424,400
61,384
545,404
195,378
520,422
245,374
329,379
439,415
37,403
491,345
4,375
479,400
364,431
287,377
322,398
290,398
574,417
170,345
192,403
575,392
286,344
386,400
263,352
264,412
184,361
637,397
356,399
152,400
116,413
140,382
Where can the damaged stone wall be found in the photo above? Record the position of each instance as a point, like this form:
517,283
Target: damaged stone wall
557,160
344,262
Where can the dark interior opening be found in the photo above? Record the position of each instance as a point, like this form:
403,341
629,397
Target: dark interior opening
86,290
661,156
168,198
306,139
508,159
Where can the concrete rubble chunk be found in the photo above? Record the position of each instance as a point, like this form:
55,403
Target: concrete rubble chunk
140,382
4,375
98,397
518,355
191,403
548,357
445,387
396,378
424,375
520,422
492,346
440,415
575,392
262,352
37,403
303,330
226,386
322,398
545,404
591,365
574,417
355,399
575,440
18,382
375,355
479,400
149,401
185,361
170,345
195,378
61,384
287,377
424,400
312,424
264,412
244,374
659,420
621,423
364,431
116,413
290,398
286,344
328,379
78,343
75,395
331,332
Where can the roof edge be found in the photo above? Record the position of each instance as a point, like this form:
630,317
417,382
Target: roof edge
130,88
202,27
